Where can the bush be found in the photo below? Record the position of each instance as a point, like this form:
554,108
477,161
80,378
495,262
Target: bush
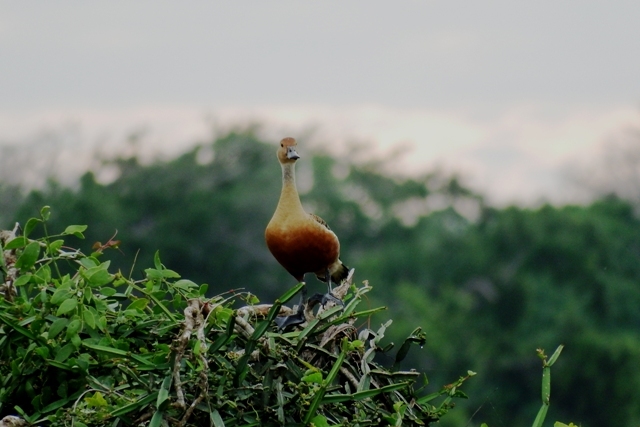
82,344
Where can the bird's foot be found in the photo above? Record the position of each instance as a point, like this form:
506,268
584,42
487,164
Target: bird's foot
291,320
324,299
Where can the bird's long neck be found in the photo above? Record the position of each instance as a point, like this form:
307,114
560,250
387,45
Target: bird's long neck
289,203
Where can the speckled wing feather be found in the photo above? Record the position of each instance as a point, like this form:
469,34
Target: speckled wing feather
320,220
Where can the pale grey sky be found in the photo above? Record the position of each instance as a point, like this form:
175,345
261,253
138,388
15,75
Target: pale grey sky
506,91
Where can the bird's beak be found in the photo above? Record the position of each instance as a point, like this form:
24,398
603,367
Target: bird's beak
291,154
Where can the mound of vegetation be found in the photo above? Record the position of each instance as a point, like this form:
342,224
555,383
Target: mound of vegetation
83,345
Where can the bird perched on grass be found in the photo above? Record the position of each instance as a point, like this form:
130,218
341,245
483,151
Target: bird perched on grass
302,242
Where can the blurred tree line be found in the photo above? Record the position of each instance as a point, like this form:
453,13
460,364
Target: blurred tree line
488,285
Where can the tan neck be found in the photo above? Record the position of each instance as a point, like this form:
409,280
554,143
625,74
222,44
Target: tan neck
289,203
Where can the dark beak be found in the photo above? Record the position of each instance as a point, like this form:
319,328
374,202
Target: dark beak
291,154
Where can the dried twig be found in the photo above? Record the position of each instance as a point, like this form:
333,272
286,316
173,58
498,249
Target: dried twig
7,289
352,379
243,327
194,318
203,384
12,421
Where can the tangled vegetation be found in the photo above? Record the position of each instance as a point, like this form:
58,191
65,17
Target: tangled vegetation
83,345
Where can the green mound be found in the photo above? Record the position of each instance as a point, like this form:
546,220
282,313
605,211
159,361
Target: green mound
82,345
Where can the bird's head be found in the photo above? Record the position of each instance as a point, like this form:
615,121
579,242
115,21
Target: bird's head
287,151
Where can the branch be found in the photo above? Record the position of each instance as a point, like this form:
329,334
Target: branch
11,273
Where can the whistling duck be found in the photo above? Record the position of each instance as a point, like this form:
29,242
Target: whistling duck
302,242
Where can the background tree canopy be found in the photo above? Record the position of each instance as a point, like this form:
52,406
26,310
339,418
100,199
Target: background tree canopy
488,285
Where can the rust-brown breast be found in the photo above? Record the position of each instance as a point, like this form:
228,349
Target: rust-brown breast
306,247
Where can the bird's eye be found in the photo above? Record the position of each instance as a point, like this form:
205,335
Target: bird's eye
281,145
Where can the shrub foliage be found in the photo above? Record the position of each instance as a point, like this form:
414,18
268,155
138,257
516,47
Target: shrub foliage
83,345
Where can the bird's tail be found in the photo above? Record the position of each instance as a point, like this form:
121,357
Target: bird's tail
338,272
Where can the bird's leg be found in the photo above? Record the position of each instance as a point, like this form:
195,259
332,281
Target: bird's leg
303,299
324,299
329,295
294,319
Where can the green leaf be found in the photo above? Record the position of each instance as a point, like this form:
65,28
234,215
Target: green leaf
42,275
97,400
365,394
542,414
108,291
98,276
76,230
67,306
156,261
320,421
45,213
356,344
73,327
83,360
64,353
24,414
417,337
216,419
42,352
290,293
118,352
170,274
156,420
29,256
184,284
89,318
89,262
135,405
153,274
57,326
163,393
61,295
102,323
555,355
139,304
43,296
315,377
22,280
66,282
106,349
27,333
18,242
223,314
55,246
60,403
203,289
31,224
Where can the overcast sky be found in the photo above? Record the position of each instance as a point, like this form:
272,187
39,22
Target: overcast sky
507,92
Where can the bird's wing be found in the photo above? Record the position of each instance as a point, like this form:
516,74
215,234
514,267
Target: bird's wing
319,220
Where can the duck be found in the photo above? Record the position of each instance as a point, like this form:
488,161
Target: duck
302,242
